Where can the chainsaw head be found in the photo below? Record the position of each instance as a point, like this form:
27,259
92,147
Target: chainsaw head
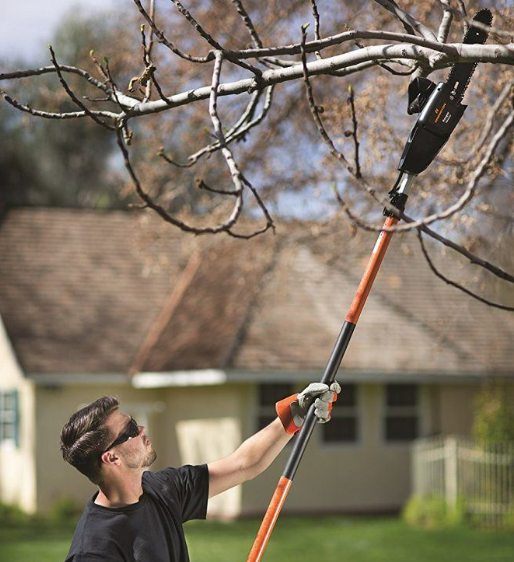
440,106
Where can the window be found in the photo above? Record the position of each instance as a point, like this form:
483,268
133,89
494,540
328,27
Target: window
9,417
344,426
402,415
269,395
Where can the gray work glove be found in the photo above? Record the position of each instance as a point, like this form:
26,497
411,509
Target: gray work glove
293,410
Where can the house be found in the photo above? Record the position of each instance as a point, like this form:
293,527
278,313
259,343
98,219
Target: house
200,336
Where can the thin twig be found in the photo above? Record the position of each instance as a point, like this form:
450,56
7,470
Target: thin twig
315,110
238,131
256,40
202,185
74,98
50,115
473,258
457,285
446,22
462,201
237,177
51,70
150,203
162,39
212,42
410,23
351,102
317,35
148,51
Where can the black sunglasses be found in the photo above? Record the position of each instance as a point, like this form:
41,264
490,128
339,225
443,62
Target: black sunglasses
132,431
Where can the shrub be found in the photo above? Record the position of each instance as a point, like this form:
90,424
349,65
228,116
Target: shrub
508,521
65,510
432,513
12,515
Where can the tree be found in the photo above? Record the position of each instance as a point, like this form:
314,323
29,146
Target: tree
217,59
44,161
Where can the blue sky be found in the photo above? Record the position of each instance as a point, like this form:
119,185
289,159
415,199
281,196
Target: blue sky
26,26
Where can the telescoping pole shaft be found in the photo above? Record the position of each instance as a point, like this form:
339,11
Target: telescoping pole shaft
302,439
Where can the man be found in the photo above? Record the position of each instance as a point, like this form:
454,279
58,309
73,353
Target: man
137,515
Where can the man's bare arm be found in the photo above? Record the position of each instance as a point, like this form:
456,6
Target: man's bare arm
249,460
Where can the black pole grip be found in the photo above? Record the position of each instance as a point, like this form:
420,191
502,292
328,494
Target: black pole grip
302,439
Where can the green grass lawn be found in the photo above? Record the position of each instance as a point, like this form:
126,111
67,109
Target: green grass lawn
330,539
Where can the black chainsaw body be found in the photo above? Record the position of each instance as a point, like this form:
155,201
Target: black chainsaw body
439,114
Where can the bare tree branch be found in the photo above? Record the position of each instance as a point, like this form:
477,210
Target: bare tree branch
408,21
51,70
457,285
50,115
473,258
446,22
237,177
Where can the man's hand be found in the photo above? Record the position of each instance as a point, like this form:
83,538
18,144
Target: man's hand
293,409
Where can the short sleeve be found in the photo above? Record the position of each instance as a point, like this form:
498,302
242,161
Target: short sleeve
184,489
194,486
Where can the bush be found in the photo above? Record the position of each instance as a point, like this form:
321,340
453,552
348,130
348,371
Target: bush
494,415
65,510
508,521
432,513
12,515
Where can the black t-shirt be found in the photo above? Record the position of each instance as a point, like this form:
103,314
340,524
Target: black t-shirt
149,530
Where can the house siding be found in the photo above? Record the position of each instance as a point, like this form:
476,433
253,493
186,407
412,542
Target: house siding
370,475
17,461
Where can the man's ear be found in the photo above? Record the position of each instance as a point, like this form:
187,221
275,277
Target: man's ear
109,457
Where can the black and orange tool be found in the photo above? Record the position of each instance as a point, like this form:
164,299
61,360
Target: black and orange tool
440,110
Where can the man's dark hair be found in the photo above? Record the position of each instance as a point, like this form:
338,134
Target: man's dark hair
85,437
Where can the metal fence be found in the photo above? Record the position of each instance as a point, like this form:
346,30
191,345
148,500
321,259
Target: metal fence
460,470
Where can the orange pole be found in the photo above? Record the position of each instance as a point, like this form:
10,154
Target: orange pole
371,272
268,523
286,481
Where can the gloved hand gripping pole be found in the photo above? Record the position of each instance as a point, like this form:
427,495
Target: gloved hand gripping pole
440,108
398,193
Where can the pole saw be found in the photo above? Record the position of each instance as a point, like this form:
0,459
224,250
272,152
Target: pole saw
440,108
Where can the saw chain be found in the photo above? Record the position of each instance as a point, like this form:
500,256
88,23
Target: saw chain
440,106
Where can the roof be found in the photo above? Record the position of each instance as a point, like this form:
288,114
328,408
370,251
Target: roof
79,290
88,292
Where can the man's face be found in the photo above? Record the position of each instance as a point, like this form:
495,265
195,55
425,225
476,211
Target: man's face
135,451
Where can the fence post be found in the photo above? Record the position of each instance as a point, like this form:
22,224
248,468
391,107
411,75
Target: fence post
450,471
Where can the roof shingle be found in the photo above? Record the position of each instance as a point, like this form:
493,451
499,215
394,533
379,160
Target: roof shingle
87,292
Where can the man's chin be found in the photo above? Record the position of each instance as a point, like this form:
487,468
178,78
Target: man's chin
150,459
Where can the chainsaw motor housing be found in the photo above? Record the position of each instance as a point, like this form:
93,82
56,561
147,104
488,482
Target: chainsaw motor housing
439,116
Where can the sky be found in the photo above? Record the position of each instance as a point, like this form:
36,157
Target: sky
26,26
